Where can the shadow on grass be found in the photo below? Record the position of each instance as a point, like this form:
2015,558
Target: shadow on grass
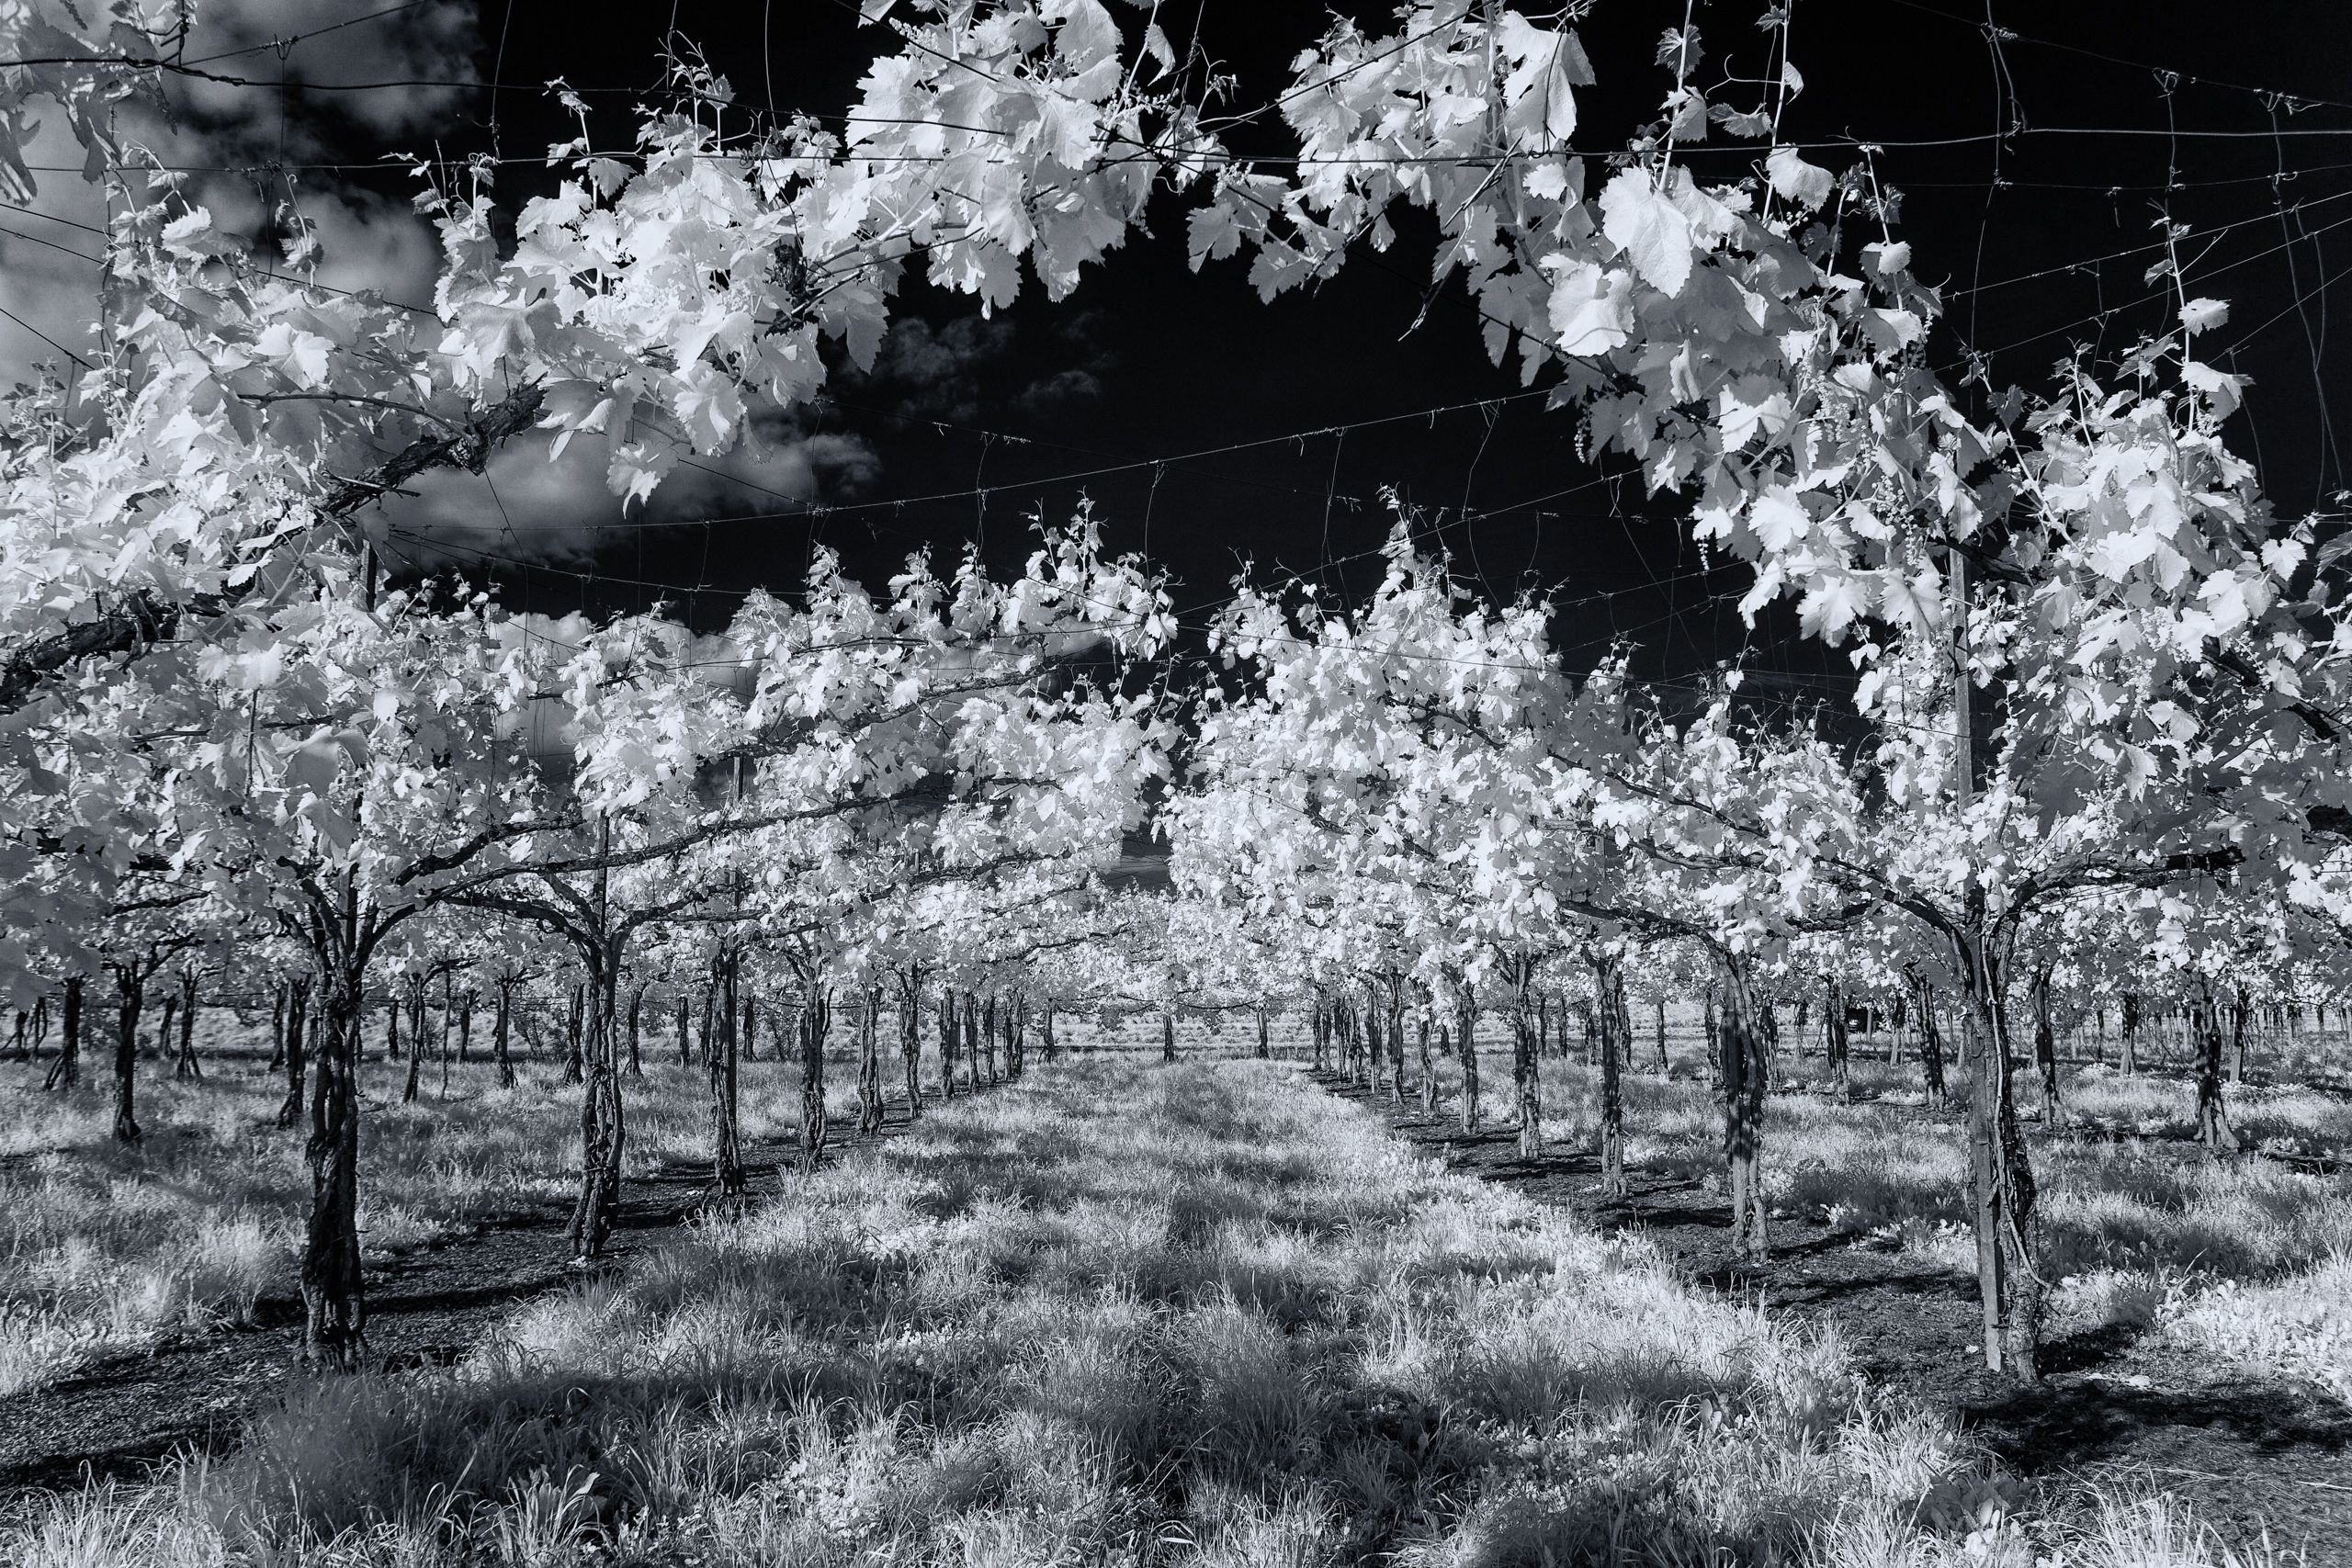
1118,1305
2077,1424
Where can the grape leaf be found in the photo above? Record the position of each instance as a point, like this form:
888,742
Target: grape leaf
1591,310
2200,315
1793,179
1645,225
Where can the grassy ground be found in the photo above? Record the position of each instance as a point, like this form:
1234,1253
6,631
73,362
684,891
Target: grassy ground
2246,1259
1123,1314
107,1247
1119,1312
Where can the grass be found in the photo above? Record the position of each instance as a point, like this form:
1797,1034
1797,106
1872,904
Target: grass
1198,1315
1118,1313
105,1248
2246,1260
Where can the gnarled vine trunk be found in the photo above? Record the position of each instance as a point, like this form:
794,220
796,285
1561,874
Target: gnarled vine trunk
1835,1042
501,1028
1740,1049
604,1118
1711,1026
2237,1037
2045,1052
448,1022
636,1017
2000,1176
2213,1111
603,1129
1931,1046
727,1138
910,1040
972,1040
574,1063
1395,1026
1526,1089
816,1016
66,1071
298,1029
416,1034
869,1064
131,993
947,1044
333,1299
1614,1029
1465,1047
186,1066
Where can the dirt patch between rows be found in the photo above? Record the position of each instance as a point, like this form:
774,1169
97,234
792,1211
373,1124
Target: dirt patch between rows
2247,1454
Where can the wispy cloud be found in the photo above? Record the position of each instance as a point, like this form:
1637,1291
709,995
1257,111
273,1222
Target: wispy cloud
242,144
526,507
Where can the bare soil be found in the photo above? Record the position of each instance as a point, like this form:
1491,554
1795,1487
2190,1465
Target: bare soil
2247,1454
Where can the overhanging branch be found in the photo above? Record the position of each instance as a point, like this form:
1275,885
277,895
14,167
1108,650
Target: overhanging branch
145,617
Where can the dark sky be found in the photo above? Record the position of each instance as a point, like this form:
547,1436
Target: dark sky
1149,362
